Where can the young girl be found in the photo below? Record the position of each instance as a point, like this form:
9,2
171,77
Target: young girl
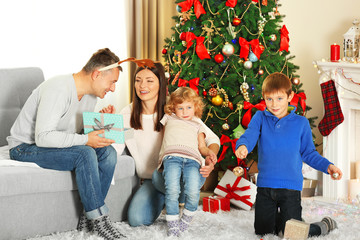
181,156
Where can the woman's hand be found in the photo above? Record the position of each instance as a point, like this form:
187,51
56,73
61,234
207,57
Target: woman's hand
108,109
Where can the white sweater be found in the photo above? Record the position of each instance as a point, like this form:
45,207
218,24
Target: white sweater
146,143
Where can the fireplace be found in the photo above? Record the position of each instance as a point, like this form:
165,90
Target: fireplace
342,146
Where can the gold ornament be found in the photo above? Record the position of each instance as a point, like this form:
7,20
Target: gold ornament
243,88
225,126
238,171
217,100
177,57
295,81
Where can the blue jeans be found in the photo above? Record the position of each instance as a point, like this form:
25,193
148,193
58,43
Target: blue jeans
174,168
148,201
94,169
276,206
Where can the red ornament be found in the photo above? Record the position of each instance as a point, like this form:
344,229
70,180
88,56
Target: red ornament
236,21
164,51
230,105
204,93
182,36
219,58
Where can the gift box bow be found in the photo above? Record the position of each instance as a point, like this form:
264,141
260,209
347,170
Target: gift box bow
230,190
99,125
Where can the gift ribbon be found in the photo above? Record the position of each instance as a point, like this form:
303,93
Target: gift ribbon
299,96
230,190
193,83
247,116
198,8
200,49
100,125
245,48
284,39
214,198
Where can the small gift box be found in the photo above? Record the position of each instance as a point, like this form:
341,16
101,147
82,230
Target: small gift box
296,230
112,124
215,203
240,191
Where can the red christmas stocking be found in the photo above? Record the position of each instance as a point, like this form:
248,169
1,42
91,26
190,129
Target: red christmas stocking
333,114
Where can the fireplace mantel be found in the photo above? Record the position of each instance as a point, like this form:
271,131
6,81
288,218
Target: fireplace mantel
340,146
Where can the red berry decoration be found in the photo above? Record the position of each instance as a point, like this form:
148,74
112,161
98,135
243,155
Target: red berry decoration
236,21
164,51
219,58
182,36
230,105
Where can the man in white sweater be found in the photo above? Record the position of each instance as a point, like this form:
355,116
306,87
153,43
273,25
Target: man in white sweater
48,132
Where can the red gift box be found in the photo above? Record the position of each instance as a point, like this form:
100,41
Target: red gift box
215,203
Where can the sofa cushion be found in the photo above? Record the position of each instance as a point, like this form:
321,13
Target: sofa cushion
26,180
16,86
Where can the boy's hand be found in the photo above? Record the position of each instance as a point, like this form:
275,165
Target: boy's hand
108,109
333,171
241,152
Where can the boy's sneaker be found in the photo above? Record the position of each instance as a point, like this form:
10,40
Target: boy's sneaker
103,227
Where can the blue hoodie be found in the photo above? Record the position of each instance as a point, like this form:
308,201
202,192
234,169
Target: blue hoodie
283,144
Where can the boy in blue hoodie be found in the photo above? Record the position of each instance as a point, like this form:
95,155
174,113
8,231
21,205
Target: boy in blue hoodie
284,142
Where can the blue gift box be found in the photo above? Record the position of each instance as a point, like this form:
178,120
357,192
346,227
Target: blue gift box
112,124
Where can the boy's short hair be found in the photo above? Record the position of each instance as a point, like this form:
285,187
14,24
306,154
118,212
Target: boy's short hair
181,95
276,82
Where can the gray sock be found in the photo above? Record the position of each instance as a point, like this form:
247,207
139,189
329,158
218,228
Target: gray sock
326,225
84,224
103,227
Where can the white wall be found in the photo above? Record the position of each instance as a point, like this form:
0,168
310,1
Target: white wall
313,26
60,36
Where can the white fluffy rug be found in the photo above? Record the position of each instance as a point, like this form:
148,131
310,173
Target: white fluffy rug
238,224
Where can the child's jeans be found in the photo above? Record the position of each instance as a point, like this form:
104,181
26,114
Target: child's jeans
174,167
276,206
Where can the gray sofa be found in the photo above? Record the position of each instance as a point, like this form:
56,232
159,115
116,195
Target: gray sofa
36,201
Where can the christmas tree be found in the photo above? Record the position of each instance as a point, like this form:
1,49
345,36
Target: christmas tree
224,50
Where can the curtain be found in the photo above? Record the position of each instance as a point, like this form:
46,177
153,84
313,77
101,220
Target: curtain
149,22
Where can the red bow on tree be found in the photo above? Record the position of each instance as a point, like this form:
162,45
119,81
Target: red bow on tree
225,139
247,116
231,3
200,49
284,39
193,83
299,96
198,8
245,48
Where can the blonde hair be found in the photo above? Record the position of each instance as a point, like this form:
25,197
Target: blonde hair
181,95
277,82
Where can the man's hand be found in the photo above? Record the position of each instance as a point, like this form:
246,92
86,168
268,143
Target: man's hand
108,109
95,141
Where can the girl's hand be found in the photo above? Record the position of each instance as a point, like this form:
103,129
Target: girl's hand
334,172
108,109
